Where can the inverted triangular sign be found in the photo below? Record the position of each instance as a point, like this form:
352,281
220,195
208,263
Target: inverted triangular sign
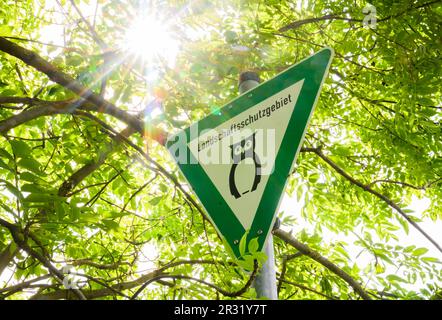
238,159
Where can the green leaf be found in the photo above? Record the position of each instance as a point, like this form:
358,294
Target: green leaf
384,257
230,36
20,148
75,212
247,262
6,154
404,224
253,245
342,251
380,268
85,217
243,264
260,256
33,188
5,166
163,188
395,278
11,188
299,192
8,209
5,31
30,164
325,285
110,224
243,243
155,201
420,251
41,197
313,178
30,177
431,259
54,90
59,210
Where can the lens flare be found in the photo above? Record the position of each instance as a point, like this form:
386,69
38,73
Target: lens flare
151,38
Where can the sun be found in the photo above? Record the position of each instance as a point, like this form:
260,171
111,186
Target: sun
151,38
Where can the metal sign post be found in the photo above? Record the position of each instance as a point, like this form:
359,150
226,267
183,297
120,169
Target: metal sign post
265,281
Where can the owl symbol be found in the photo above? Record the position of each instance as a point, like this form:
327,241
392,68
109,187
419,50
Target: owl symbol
244,149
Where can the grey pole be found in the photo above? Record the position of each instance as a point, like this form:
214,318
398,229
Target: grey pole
265,281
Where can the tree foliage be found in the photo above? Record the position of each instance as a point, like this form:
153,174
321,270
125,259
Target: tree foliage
86,182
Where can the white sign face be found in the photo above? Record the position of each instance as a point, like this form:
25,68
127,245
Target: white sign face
239,155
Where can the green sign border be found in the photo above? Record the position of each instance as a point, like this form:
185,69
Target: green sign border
313,70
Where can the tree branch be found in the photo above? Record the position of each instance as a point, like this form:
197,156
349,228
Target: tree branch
23,285
405,184
44,44
6,257
299,23
285,259
19,239
220,290
303,248
21,100
94,34
300,286
100,42
45,108
55,75
34,60
155,275
367,188
123,137
81,174
91,263
98,293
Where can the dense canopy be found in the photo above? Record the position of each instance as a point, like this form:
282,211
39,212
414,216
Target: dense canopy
90,89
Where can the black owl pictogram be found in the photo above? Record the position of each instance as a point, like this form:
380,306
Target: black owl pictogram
240,151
